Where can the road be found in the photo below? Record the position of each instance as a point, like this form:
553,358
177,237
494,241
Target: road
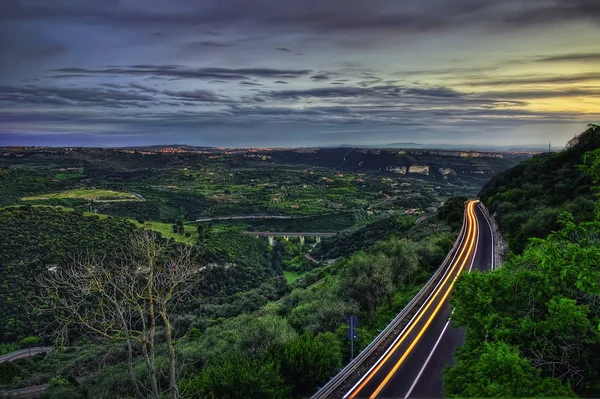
412,366
24,353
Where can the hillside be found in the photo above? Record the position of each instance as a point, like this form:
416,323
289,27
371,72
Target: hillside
533,325
528,198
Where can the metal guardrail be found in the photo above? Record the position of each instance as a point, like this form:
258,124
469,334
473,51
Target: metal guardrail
347,371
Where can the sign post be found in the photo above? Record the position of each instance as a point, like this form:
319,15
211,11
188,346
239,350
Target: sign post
352,333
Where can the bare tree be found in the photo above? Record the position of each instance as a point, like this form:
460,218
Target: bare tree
126,299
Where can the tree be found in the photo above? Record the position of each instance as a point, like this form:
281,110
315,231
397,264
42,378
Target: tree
402,256
368,280
309,361
29,342
237,376
498,371
203,233
126,299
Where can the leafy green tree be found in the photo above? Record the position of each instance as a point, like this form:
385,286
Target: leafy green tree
321,315
237,376
204,233
368,280
497,370
403,258
544,305
261,334
308,361
29,342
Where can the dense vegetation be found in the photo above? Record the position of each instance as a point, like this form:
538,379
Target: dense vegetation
533,326
528,198
236,340
262,321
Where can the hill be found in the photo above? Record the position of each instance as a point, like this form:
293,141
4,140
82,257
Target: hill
527,199
533,325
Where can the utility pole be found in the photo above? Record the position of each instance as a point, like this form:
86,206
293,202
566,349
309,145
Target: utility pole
549,147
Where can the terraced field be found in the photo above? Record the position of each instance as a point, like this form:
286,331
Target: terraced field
86,194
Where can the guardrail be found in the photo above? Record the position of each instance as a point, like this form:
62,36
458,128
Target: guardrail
335,382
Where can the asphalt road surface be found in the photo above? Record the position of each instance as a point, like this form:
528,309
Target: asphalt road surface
24,353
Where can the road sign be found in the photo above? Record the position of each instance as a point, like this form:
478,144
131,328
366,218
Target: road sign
352,334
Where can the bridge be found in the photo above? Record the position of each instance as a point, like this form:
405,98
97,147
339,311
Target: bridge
272,234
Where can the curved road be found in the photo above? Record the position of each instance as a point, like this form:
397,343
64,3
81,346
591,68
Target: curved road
412,364
24,353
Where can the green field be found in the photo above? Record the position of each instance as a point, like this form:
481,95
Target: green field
87,194
292,276
166,230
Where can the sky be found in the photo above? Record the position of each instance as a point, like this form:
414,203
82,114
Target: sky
272,73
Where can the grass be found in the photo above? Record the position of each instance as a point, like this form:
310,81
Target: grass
292,276
166,229
67,175
87,194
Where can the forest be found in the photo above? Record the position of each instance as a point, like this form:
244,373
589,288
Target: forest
84,248
533,325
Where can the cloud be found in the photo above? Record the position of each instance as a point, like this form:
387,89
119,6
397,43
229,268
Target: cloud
106,96
207,45
180,72
592,57
384,91
71,96
196,95
315,15
540,94
287,50
320,76
247,83
535,80
145,88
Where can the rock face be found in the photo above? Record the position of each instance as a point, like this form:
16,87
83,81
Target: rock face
420,169
446,171
397,169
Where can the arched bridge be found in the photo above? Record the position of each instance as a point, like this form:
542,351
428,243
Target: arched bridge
272,234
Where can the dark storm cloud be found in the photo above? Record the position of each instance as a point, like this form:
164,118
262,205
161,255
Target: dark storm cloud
180,72
246,83
113,45
321,76
196,95
114,96
335,15
145,88
74,96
